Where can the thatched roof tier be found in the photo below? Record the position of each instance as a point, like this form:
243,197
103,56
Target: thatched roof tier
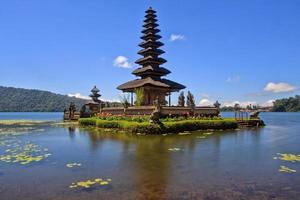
151,43
150,10
150,36
149,81
150,25
150,60
150,30
150,16
150,51
95,90
150,70
150,20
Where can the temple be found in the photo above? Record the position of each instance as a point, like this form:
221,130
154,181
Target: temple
150,87
150,72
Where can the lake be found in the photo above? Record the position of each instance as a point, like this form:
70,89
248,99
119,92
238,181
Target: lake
239,164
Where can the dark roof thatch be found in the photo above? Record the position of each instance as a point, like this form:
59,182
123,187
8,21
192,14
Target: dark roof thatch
162,83
151,43
151,70
151,51
150,60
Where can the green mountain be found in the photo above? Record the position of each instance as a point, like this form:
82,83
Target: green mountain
28,100
291,104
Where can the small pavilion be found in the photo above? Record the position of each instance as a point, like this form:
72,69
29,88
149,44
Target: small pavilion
150,72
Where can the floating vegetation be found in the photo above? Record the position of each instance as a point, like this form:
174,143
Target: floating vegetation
288,157
286,169
201,137
23,153
90,183
71,165
184,133
208,133
15,131
174,149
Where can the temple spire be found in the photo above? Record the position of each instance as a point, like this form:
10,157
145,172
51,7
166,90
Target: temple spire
150,70
151,60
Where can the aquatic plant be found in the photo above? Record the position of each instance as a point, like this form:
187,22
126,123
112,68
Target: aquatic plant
286,169
23,153
71,165
289,157
90,183
175,149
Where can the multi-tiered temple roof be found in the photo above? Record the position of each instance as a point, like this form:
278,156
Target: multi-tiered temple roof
150,71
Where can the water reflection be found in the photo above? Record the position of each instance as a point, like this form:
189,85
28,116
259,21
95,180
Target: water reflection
222,165
152,166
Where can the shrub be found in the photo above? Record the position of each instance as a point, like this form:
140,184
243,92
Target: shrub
107,124
165,127
88,121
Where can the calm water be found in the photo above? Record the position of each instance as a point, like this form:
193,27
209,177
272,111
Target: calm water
224,165
53,116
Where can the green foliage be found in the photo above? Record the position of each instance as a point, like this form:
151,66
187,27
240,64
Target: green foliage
139,96
192,125
291,104
124,98
27,100
88,121
167,127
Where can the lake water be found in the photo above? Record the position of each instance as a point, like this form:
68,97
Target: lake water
203,165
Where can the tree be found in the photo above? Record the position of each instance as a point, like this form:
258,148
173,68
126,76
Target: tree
139,96
181,99
124,100
237,107
190,101
291,104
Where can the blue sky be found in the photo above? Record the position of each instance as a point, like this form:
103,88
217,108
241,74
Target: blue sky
246,51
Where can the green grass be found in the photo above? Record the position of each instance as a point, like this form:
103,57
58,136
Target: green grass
166,127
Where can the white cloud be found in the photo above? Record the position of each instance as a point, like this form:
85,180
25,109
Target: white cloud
122,61
233,79
110,100
268,103
174,37
78,95
241,103
206,102
279,87
204,95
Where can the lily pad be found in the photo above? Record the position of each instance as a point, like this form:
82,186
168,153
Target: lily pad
286,169
90,183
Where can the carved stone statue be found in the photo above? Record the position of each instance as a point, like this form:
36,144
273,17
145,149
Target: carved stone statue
72,110
155,115
254,115
217,104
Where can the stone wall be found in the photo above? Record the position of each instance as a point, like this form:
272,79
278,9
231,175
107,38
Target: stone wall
165,111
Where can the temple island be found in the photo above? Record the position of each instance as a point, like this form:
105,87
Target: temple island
146,100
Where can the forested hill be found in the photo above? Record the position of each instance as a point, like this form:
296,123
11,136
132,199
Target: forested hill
291,104
27,100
